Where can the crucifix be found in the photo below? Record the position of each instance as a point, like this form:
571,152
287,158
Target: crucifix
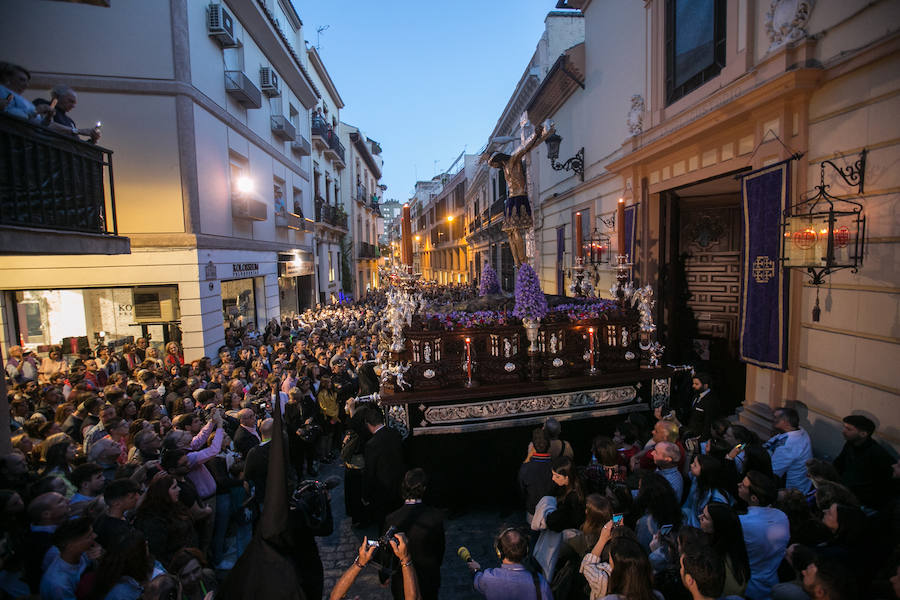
517,210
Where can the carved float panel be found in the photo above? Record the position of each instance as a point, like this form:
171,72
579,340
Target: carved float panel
493,414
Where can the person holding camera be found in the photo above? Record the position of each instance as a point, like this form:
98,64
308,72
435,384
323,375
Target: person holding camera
512,580
425,527
366,552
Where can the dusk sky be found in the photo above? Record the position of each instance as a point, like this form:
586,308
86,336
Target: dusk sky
426,79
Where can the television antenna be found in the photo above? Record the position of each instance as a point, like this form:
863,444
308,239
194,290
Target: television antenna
319,31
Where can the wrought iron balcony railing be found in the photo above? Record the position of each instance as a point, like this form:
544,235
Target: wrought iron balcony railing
52,181
332,215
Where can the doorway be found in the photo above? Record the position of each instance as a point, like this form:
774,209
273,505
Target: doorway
701,282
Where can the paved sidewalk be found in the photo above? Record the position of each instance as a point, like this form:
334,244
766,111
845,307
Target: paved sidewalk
475,530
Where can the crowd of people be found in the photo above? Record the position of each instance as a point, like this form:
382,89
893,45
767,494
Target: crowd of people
709,510
136,474
131,467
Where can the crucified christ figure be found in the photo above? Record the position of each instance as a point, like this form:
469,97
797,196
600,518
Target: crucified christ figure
517,212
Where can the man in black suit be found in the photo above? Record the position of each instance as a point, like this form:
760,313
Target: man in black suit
424,529
704,408
246,436
384,467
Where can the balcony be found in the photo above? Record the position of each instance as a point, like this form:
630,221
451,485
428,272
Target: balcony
283,129
300,146
52,194
289,220
335,151
331,215
239,87
321,133
368,251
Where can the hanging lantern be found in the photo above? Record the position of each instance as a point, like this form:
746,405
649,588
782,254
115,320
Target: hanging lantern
596,249
823,234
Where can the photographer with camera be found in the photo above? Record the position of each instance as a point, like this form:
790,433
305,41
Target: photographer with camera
513,580
367,550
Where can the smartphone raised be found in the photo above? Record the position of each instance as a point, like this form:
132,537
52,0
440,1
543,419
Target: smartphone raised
618,519
665,530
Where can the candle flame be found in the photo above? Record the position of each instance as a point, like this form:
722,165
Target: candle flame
468,340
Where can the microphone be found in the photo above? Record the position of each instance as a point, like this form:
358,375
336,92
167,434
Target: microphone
464,554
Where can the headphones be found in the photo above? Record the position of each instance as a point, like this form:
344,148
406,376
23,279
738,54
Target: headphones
498,544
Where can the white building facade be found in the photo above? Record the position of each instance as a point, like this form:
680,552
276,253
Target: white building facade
208,115
361,179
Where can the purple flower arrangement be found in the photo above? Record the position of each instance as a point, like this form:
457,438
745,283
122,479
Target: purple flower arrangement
591,310
489,283
530,300
458,319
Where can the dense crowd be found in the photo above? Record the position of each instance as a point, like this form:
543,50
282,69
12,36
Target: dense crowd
135,474
131,467
709,510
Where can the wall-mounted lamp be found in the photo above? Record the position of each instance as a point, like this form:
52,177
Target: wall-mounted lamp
576,163
244,184
823,234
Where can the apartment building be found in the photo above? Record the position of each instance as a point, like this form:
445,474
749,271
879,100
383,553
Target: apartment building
361,179
208,118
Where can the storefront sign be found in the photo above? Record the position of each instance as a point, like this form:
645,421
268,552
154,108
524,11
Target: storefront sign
244,269
296,265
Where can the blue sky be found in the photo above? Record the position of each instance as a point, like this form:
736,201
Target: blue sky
425,79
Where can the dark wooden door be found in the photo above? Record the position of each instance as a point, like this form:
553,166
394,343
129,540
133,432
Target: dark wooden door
709,243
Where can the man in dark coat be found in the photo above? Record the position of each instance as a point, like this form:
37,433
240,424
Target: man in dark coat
704,409
383,467
246,436
864,465
535,475
424,529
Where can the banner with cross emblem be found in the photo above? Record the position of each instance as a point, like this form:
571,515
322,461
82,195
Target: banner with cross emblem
764,295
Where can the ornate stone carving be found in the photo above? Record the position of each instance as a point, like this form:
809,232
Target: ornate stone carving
786,21
459,413
636,115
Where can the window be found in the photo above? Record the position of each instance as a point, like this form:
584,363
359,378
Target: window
298,201
330,267
695,44
294,116
278,194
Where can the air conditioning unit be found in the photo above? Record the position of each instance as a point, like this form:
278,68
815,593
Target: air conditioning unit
155,305
220,26
268,82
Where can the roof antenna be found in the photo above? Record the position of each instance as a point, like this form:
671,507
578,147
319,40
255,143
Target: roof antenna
319,31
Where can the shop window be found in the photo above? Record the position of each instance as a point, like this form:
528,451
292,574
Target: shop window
95,316
239,302
695,44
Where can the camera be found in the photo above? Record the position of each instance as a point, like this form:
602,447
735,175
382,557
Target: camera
384,542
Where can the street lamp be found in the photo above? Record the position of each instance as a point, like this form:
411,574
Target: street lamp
576,163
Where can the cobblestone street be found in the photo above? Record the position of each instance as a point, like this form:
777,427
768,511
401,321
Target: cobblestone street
475,530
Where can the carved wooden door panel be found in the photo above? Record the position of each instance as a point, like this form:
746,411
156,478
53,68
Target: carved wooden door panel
710,241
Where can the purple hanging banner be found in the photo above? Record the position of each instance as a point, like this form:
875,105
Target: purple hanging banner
765,194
